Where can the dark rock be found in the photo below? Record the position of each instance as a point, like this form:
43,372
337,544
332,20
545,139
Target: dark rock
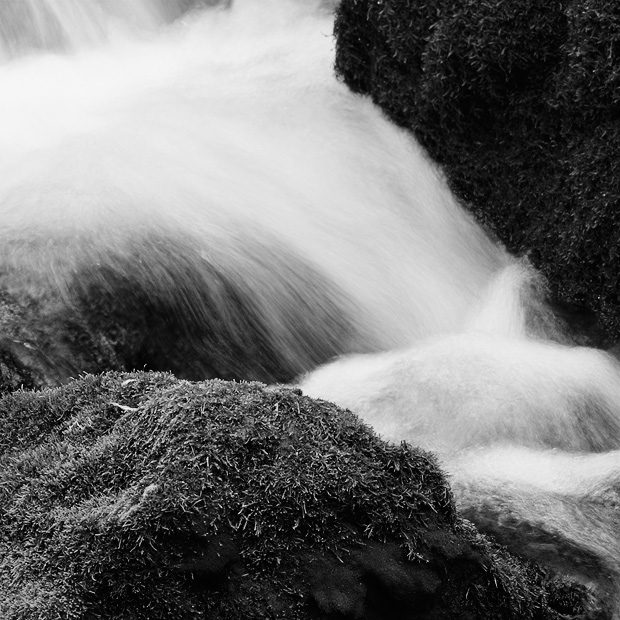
518,101
576,542
44,342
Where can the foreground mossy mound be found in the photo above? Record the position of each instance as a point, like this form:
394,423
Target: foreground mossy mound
141,496
519,101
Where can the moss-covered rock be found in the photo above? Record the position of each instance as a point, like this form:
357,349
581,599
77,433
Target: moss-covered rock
518,100
142,496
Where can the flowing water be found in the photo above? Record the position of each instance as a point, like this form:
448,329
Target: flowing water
204,154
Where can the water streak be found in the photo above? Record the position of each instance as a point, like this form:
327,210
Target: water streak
208,162
226,127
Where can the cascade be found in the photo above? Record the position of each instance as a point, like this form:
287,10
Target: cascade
202,156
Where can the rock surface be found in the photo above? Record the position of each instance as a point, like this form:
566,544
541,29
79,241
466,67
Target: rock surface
518,101
142,496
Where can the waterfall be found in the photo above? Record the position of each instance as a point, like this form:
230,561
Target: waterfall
226,132
202,156
28,26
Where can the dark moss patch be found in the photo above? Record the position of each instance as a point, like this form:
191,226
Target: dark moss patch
518,100
141,496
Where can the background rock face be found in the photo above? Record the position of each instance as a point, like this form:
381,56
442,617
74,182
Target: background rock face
142,496
518,100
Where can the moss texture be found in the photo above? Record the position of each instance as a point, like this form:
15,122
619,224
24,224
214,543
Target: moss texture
139,496
519,101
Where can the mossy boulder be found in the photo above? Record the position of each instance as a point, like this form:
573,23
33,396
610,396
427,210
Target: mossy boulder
519,102
140,496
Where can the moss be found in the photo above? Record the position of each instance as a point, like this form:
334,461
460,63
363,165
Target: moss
518,101
142,496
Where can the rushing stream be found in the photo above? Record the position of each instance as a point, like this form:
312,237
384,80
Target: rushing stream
205,153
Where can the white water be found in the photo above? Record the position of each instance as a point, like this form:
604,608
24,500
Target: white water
28,26
227,130
230,125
